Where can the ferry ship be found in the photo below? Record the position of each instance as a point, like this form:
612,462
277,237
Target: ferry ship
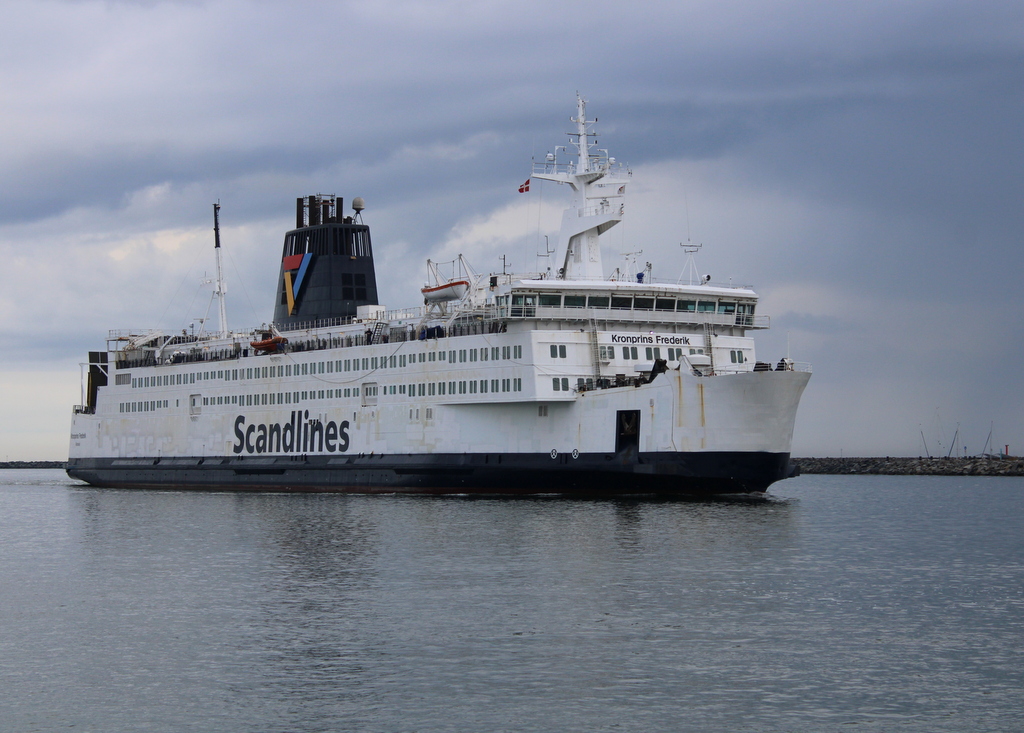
568,381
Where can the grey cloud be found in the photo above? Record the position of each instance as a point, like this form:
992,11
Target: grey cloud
890,129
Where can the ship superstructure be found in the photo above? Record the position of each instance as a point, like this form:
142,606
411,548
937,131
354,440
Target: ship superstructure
566,381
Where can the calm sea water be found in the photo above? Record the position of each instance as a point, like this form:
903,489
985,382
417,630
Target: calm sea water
837,603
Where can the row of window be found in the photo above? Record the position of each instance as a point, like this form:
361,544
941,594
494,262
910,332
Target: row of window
629,302
631,353
144,406
470,386
369,391
366,363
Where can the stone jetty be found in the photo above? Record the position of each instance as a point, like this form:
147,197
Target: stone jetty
1011,466
32,464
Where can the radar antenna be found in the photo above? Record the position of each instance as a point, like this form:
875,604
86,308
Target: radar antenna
690,269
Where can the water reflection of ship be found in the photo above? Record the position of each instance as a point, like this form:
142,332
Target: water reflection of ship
752,523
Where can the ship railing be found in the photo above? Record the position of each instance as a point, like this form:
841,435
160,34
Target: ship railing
598,162
604,209
84,410
126,334
398,314
552,168
783,365
588,384
631,280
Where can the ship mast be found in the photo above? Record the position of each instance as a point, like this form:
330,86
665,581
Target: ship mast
220,290
598,186
581,134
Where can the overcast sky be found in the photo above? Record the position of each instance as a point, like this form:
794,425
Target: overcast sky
859,163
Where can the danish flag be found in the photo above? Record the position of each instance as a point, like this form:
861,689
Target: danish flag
525,187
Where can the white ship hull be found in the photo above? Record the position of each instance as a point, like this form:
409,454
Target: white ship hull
695,434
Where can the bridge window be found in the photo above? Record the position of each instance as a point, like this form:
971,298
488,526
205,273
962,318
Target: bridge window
643,304
575,301
705,306
664,304
622,302
550,300
523,305
598,301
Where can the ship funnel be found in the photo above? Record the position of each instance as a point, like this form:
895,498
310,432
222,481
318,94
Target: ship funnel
327,270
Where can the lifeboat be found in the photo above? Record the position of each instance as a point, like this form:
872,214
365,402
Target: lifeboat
453,290
270,345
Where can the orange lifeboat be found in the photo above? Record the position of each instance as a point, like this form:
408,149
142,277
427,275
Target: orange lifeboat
270,345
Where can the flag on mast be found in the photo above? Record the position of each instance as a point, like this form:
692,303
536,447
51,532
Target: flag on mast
525,187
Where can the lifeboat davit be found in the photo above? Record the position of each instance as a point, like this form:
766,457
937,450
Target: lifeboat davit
270,345
453,290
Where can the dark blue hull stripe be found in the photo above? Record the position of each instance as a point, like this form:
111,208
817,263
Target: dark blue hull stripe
594,474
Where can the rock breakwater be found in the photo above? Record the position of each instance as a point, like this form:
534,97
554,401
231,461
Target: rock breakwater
914,466
32,464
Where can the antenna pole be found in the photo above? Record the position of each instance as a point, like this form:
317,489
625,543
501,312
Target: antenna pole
219,292
988,439
955,434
